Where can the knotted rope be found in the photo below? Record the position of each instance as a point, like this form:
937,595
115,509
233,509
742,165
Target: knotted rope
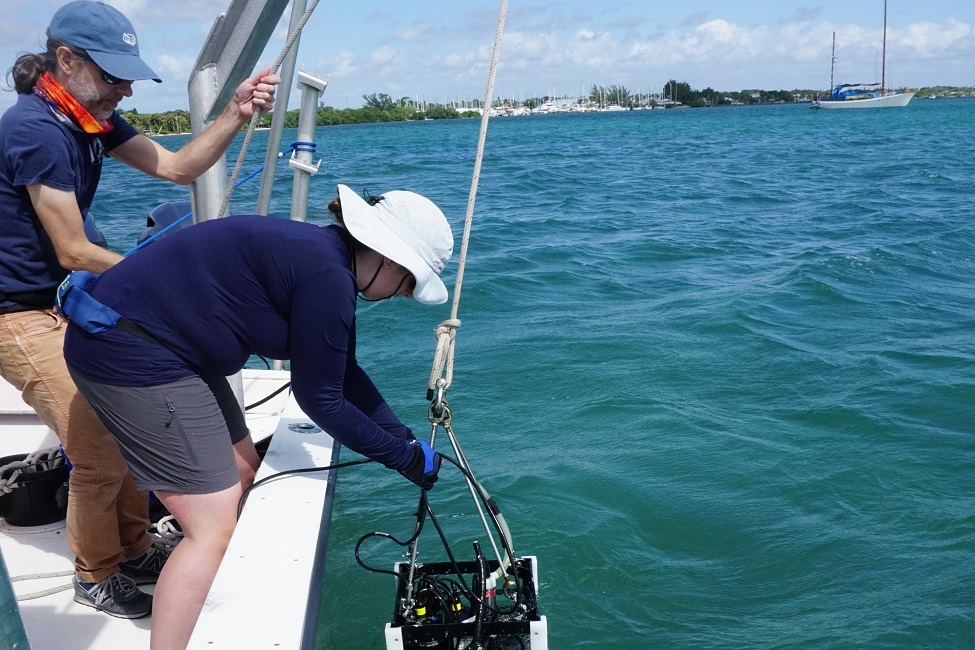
446,332
165,534
41,460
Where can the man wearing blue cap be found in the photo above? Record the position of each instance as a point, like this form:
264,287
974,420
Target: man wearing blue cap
53,142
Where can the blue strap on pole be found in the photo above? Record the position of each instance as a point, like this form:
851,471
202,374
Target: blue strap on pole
161,232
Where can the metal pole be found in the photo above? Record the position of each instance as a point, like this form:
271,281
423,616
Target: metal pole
883,62
206,192
301,160
280,114
832,63
229,54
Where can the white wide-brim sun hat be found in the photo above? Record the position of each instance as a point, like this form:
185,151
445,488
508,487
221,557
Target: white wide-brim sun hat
407,228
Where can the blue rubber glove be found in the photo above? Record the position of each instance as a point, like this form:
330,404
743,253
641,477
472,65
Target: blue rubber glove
424,466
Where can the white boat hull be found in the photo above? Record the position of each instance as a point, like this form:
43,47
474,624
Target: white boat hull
886,101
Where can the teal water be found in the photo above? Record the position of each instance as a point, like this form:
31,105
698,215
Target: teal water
716,367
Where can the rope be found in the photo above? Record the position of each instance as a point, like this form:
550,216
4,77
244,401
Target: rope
258,113
47,592
159,234
9,474
446,332
165,534
41,460
41,576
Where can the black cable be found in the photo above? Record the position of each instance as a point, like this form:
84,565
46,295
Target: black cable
302,470
492,510
469,591
479,635
425,510
271,396
420,517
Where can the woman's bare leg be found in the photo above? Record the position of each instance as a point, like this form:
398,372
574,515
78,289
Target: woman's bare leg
207,521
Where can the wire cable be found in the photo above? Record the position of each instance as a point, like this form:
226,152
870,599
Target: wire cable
291,472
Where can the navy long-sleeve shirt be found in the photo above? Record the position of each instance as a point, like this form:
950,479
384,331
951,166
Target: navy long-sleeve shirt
225,289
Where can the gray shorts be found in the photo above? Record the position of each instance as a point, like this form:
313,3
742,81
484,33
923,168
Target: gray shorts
175,437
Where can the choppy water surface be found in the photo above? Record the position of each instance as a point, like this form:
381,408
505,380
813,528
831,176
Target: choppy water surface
717,367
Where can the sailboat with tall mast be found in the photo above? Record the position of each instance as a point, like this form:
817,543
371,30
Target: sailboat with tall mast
863,95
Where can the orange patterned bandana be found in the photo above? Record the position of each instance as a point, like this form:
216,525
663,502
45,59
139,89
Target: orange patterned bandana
50,90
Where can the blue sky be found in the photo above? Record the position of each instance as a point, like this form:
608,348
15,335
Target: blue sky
439,50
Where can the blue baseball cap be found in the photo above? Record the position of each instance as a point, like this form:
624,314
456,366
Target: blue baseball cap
105,35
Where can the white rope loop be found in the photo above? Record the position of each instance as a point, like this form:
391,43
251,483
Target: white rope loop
43,576
41,460
446,333
46,592
9,474
165,534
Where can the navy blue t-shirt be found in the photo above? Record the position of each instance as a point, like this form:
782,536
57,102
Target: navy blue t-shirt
224,289
38,145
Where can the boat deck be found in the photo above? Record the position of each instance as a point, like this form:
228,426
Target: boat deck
282,533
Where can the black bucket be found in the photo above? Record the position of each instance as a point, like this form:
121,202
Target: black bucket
40,498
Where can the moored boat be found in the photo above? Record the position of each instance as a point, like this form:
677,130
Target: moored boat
860,95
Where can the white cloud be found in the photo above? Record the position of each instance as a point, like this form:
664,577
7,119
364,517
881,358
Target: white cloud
346,65
411,35
721,31
592,51
529,46
929,39
445,50
384,55
168,65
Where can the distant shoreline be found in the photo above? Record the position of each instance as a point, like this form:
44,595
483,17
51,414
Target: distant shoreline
345,117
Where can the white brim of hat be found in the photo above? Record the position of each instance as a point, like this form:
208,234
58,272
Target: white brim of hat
365,224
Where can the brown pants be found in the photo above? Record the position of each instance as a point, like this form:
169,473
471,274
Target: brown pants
107,517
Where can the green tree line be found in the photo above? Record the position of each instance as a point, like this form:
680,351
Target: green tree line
377,107
380,107
158,123
680,92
